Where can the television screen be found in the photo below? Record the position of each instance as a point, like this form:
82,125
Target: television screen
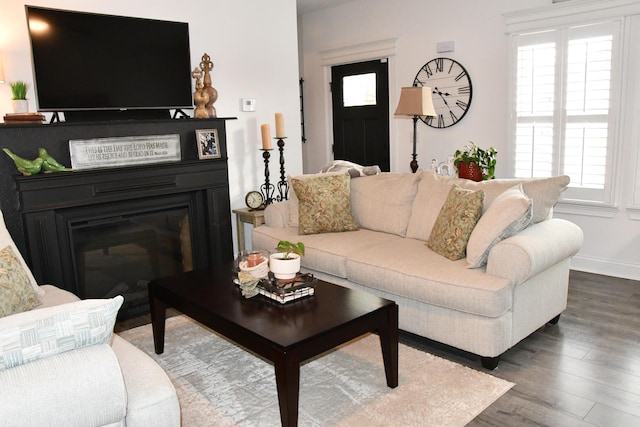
86,61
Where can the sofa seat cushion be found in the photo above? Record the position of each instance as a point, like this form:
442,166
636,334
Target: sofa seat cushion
325,252
407,268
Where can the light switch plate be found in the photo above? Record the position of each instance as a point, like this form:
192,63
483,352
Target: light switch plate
248,104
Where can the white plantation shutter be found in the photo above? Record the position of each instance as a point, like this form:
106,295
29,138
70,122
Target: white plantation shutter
565,80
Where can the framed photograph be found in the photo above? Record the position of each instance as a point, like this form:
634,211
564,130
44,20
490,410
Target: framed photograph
208,144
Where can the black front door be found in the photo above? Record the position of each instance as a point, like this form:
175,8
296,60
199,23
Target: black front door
360,96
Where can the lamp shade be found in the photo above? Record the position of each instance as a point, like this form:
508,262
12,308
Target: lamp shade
415,101
1,71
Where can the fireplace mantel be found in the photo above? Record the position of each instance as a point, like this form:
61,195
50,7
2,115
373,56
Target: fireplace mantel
33,205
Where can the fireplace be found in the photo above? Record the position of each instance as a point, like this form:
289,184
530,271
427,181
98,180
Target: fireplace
107,232
117,250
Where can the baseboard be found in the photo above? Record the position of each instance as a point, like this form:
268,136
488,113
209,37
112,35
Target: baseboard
606,267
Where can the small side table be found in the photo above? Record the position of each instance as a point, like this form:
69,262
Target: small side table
248,216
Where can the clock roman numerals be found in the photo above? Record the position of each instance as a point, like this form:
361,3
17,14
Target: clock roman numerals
464,90
439,64
462,105
427,70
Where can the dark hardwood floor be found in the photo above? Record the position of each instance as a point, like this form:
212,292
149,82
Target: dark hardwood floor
584,371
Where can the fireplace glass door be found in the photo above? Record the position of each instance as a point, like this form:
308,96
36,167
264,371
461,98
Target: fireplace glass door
120,255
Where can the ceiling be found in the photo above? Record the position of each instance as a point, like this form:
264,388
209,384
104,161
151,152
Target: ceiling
305,6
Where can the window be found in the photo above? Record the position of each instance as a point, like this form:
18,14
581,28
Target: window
566,89
359,90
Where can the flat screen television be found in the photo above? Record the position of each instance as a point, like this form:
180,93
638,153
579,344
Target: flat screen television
106,66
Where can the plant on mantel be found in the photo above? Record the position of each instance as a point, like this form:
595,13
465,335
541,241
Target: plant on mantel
18,90
475,163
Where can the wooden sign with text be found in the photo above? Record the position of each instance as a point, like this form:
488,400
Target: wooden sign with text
124,151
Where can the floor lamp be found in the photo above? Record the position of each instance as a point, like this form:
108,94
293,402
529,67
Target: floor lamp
416,102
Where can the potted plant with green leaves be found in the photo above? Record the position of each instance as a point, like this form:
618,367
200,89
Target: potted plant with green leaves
475,163
19,96
285,262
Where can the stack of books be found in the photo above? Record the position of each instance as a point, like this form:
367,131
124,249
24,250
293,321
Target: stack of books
23,118
286,296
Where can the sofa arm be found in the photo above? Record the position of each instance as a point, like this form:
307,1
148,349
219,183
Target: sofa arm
276,215
81,387
534,249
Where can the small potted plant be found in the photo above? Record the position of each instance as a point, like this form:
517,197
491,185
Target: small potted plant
475,163
285,263
19,96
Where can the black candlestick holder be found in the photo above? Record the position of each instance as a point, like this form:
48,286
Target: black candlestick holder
283,184
267,189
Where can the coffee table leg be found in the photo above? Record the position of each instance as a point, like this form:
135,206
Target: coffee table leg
158,316
389,344
288,384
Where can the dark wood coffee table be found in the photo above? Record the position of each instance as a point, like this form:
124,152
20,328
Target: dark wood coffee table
284,334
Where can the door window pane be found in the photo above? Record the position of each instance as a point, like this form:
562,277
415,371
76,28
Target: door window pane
359,90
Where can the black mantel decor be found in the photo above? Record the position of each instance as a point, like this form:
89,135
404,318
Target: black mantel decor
61,220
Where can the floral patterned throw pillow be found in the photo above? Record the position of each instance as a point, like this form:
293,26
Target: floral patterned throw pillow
16,293
456,220
324,204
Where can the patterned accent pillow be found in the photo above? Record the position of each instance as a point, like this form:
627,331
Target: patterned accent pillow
509,213
6,240
324,204
16,293
456,220
37,334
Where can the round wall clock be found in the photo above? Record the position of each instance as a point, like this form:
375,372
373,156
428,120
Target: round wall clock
254,200
451,91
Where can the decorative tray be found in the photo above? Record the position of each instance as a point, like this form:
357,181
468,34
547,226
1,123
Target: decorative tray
302,286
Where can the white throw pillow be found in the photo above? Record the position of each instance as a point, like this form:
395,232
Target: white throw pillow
40,333
509,213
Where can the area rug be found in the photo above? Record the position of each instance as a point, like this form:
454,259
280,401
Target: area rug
220,384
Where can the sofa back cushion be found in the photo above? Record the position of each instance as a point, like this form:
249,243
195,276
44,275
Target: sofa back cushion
383,202
543,192
433,190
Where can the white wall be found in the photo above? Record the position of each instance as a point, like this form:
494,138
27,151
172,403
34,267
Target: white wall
253,45
413,27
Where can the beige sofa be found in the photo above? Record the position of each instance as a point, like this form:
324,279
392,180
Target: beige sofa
61,364
516,284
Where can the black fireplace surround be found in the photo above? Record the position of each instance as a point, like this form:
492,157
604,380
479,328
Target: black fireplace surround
102,232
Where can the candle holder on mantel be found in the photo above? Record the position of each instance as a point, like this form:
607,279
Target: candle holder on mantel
267,189
283,184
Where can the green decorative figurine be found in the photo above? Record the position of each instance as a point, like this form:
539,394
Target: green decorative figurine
49,163
26,167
